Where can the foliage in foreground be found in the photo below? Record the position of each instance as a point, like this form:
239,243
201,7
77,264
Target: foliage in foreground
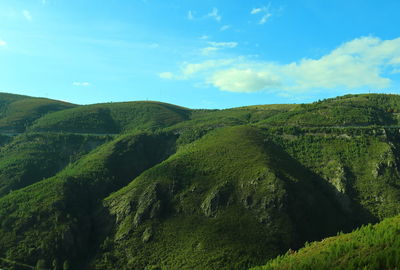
372,247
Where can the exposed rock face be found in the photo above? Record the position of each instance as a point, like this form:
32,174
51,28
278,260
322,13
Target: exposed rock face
387,160
215,199
149,205
339,182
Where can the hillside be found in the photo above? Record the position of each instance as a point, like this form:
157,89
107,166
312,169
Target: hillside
374,247
18,112
150,185
113,118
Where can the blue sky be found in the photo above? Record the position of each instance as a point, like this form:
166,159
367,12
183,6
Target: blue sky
199,54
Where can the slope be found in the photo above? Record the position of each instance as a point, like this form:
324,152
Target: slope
349,110
18,112
373,247
54,220
227,201
113,118
32,157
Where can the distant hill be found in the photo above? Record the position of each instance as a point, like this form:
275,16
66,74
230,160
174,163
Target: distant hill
113,118
18,112
150,185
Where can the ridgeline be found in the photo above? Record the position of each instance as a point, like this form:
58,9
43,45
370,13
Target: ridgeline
150,185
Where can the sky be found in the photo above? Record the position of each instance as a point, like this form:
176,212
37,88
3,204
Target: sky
199,54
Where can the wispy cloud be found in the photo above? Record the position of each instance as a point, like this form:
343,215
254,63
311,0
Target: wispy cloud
189,70
214,13
166,75
190,15
215,46
27,14
362,62
81,84
223,44
225,27
256,11
264,11
208,50
204,37
2,43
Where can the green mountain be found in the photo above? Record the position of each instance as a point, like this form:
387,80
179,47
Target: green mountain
150,185
18,112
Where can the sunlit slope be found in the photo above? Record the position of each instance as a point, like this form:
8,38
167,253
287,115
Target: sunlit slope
231,200
349,110
113,118
203,121
370,247
54,219
361,165
18,112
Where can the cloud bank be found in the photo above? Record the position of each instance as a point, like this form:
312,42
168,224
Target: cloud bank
362,62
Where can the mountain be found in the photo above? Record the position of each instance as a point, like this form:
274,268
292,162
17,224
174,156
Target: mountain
150,185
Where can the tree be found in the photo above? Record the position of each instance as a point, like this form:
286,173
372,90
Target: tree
41,265
66,265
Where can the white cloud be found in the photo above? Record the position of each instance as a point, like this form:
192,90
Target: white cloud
265,18
204,37
265,11
223,44
225,27
84,84
215,46
214,14
190,15
208,50
2,43
166,75
256,10
27,15
189,69
243,80
362,62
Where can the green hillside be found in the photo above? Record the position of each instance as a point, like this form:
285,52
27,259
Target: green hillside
54,219
18,112
32,157
230,197
370,247
113,118
349,110
150,185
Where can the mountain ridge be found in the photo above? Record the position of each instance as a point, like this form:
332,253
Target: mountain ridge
150,185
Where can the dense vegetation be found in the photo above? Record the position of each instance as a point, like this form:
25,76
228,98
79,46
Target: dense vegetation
370,247
149,185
